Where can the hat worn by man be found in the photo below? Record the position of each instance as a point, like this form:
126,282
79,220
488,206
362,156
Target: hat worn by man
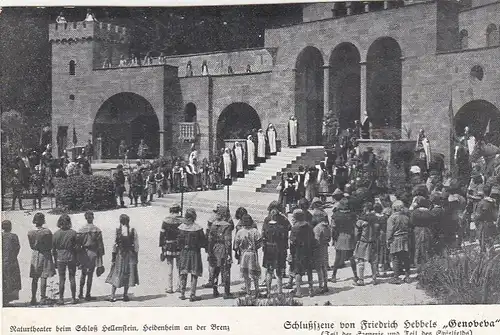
337,192
316,202
344,204
298,215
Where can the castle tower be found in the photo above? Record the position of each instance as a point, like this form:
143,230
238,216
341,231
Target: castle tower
78,48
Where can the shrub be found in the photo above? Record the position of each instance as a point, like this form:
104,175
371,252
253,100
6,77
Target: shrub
280,300
466,277
83,193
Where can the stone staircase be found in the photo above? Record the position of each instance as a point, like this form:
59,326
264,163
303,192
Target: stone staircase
313,156
288,158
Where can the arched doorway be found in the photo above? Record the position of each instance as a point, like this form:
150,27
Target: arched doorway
309,95
190,112
129,117
345,84
383,80
237,121
476,115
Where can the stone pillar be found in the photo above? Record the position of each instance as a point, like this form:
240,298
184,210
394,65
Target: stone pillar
367,6
162,143
363,89
348,6
326,89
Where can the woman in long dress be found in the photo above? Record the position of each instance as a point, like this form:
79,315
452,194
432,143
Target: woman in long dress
11,274
42,264
124,272
190,241
250,153
261,146
247,242
239,155
271,139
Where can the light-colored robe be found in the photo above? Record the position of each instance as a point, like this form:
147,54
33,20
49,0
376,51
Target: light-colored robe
192,156
271,137
238,153
261,145
250,152
226,159
292,131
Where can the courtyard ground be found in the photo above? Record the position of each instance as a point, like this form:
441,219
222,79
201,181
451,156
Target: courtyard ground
152,272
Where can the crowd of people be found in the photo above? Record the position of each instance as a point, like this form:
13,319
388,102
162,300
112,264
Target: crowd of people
389,232
35,172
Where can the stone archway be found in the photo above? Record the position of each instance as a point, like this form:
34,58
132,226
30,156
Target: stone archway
237,121
384,83
309,95
129,117
345,84
476,115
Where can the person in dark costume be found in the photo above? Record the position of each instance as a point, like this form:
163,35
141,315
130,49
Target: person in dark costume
302,246
275,245
343,222
168,244
119,179
219,251
11,274
190,240
91,246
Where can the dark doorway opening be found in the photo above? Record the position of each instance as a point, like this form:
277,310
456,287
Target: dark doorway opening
309,95
237,121
127,117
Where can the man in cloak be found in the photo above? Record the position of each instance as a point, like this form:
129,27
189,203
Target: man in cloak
226,167
239,156
271,139
250,153
261,146
293,132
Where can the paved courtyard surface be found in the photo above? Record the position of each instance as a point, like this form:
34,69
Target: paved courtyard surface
152,272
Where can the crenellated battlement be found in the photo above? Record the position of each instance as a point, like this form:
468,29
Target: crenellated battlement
76,31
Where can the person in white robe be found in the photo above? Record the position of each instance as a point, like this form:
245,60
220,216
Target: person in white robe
423,147
271,139
204,68
226,167
261,146
193,155
239,155
90,16
250,152
293,132
61,18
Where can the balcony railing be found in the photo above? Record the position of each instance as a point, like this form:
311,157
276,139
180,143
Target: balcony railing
188,131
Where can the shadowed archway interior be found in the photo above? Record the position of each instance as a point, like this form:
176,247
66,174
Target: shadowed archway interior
384,83
129,117
237,121
309,95
345,84
476,115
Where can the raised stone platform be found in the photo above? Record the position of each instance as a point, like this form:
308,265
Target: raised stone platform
397,153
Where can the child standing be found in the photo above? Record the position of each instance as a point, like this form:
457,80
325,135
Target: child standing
247,242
